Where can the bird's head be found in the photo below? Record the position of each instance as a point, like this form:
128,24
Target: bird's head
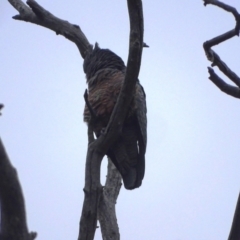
98,59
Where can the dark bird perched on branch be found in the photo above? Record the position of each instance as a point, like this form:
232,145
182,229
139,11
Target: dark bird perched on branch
105,73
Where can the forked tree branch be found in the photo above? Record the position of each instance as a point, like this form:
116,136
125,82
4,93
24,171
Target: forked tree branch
216,60
108,198
99,147
222,85
34,13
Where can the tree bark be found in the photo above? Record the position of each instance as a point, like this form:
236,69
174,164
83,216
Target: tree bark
13,216
106,208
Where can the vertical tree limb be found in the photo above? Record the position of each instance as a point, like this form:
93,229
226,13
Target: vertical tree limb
106,208
108,197
13,216
92,191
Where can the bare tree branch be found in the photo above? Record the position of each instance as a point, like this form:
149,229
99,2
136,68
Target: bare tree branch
99,147
106,208
13,217
226,88
215,59
109,194
224,7
34,13
223,86
235,229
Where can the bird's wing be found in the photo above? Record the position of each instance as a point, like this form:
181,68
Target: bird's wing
141,114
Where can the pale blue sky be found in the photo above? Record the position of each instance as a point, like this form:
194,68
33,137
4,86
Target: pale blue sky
192,162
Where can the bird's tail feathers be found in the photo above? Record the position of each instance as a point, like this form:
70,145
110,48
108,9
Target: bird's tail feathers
132,173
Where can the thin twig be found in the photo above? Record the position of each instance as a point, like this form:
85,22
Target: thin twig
222,85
